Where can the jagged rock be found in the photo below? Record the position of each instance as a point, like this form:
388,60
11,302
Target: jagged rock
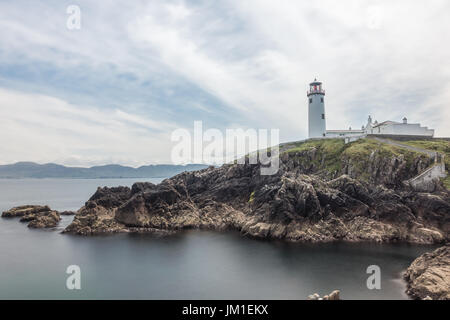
50,220
97,215
332,296
289,205
37,216
428,277
24,211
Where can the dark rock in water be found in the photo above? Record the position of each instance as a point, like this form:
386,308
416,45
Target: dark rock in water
428,277
37,216
50,220
24,211
67,213
289,205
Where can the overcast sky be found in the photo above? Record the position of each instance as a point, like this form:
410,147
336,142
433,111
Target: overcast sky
113,91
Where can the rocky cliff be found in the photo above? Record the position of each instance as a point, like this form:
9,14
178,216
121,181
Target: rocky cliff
428,277
321,193
365,160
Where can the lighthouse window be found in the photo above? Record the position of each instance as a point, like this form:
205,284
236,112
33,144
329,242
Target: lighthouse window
321,99
310,100
323,115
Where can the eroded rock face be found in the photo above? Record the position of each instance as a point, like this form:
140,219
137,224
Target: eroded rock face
428,277
376,167
288,205
97,216
36,216
48,220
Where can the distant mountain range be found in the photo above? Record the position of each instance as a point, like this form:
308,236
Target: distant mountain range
51,170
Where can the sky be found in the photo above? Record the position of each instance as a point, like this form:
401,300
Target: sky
114,90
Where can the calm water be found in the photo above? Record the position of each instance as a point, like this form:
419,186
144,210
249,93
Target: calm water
190,265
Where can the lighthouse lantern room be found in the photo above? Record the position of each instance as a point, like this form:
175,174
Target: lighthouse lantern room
316,110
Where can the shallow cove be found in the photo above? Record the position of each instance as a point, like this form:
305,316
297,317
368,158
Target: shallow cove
188,265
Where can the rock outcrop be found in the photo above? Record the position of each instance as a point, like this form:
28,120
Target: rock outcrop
366,159
289,205
36,216
334,295
428,277
24,211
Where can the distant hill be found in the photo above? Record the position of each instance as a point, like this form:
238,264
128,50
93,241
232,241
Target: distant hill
51,170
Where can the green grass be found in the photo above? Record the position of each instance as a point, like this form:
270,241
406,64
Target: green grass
329,145
328,153
446,181
441,146
332,153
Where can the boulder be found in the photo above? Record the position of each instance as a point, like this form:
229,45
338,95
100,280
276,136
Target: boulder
428,277
36,216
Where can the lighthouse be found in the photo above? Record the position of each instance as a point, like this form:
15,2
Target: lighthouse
316,110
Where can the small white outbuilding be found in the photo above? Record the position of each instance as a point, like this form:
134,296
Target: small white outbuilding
397,128
317,121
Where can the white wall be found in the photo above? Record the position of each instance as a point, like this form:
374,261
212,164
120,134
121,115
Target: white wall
316,123
403,129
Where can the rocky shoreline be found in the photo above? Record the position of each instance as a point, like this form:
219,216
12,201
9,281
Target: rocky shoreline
323,191
428,276
307,200
290,206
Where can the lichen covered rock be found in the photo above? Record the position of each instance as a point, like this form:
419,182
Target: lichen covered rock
428,277
36,216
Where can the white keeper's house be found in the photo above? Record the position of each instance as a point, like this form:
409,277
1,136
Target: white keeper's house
317,121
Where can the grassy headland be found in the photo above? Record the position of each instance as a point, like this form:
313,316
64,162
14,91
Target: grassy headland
332,155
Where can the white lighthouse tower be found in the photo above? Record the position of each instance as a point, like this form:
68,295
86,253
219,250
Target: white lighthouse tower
316,110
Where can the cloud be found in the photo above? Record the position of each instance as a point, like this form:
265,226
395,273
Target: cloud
373,59
46,129
147,67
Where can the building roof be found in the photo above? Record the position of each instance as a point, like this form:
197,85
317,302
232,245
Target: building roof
384,123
